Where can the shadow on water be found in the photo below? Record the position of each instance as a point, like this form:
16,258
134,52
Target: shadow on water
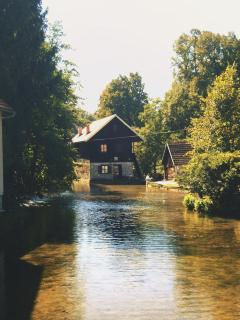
23,280
21,231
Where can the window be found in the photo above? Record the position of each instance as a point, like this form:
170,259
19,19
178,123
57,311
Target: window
104,169
103,148
117,170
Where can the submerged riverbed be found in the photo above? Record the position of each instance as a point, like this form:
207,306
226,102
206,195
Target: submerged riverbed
122,253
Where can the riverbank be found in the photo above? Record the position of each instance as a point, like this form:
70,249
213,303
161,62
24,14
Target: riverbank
164,184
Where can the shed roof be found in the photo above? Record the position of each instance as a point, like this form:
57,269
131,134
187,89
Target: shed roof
96,126
178,152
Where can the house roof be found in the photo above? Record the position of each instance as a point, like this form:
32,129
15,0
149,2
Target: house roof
178,152
6,110
96,126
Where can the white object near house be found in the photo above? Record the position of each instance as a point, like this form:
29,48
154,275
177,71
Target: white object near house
5,112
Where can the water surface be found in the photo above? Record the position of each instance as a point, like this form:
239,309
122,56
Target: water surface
120,252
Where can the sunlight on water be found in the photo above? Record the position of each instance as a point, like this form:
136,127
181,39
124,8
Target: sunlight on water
131,254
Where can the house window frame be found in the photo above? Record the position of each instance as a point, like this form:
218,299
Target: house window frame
104,169
103,148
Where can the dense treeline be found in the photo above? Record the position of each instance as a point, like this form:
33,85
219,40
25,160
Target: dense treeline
201,106
39,86
208,65
214,170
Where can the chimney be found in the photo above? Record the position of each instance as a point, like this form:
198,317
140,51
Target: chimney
88,129
79,131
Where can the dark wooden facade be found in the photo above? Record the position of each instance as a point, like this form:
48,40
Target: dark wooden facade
175,156
110,150
119,140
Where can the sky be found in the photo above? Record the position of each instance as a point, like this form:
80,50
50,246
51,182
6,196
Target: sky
110,37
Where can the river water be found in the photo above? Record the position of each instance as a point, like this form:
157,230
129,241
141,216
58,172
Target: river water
119,253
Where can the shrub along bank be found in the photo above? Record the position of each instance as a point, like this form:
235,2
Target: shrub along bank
214,169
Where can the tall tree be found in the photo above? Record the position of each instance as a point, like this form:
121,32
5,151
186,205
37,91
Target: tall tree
203,55
150,150
124,96
218,128
200,57
182,103
83,117
38,156
214,168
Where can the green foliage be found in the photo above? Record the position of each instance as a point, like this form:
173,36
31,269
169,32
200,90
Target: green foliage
203,55
218,128
214,169
149,152
203,205
189,201
83,117
124,96
200,58
182,103
39,86
214,174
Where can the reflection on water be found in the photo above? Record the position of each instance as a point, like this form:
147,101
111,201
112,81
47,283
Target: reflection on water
119,252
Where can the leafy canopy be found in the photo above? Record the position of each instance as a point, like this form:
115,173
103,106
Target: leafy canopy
124,96
40,87
149,152
214,169
218,128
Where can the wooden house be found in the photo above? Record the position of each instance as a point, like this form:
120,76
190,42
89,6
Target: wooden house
106,150
175,156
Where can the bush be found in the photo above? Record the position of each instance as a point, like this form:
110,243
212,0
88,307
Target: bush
189,201
213,174
203,205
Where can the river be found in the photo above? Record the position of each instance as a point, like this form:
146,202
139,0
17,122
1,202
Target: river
118,253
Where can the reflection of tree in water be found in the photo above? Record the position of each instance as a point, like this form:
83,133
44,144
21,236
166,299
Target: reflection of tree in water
121,223
31,227
26,229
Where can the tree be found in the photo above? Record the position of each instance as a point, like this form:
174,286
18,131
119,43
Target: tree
39,85
182,103
218,128
83,117
150,150
215,175
214,169
200,57
204,55
124,96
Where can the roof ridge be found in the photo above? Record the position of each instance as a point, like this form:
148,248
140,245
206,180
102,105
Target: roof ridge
97,126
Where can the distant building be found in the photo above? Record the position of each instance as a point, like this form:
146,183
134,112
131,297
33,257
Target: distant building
106,150
175,156
5,112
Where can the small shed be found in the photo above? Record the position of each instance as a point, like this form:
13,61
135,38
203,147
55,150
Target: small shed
175,156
